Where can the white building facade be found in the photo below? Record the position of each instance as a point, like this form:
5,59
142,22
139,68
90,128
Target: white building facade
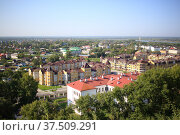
102,84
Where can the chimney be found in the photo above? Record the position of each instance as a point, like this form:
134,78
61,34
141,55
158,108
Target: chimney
111,78
131,79
96,78
118,78
128,78
85,80
102,76
81,80
118,82
91,78
131,73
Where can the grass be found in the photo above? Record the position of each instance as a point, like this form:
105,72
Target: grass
44,87
63,105
61,99
62,102
93,59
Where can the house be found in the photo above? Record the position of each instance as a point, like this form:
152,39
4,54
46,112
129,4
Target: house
83,56
172,51
86,47
2,56
63,51
43,53
163,52
155,49
92,86
75,51
14,56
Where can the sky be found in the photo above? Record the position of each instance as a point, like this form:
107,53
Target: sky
158,18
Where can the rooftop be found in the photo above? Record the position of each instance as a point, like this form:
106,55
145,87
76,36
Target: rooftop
111,80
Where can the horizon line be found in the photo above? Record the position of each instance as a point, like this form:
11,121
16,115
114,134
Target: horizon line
91,36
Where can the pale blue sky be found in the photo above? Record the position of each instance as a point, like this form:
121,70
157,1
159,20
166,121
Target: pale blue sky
90,18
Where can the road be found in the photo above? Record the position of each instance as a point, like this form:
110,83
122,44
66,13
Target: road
61,91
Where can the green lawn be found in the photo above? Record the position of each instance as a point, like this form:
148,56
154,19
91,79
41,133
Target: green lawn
61,99
93,59
44,87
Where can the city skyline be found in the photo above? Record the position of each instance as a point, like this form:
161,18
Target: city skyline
155,18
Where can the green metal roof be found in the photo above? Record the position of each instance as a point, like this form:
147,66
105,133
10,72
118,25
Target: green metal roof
74,49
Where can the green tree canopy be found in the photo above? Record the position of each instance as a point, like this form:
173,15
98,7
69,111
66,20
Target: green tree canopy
17,89
46,110
39,110
53,58
154,95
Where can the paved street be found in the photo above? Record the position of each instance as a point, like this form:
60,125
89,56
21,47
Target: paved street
59,91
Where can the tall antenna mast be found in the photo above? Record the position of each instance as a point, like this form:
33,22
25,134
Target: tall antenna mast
139,40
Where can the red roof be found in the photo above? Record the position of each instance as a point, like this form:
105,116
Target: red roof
117,80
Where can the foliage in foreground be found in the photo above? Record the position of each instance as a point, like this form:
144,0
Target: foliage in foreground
46,110
17,89
155,95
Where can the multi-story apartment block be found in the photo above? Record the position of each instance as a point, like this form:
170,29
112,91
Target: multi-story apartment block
63,72
142,65
140,55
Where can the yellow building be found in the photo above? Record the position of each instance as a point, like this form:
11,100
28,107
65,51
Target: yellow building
87,70
62,72
35,73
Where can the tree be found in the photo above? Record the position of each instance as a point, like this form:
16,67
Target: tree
36,62
21,55
7,109
85,105
155,94
66,113
39,110
99,107
17,89
68,55
46,110
28,91
53,58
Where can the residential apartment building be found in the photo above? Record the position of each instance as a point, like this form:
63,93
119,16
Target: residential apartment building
142,65
63,72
